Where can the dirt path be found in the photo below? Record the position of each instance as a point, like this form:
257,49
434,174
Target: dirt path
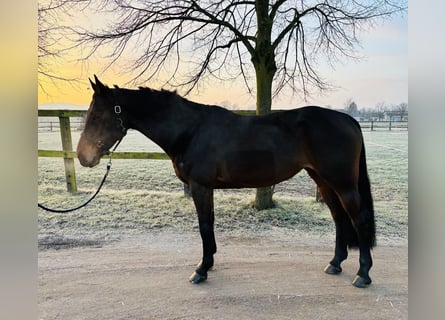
255,277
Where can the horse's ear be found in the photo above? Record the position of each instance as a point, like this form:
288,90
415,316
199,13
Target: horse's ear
98,87
93,85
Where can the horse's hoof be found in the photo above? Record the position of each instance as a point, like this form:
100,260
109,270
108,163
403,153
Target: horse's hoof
196,278
361,282
330,269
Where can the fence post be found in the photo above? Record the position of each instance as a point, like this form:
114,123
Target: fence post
187,192
372,125
67,145
318,197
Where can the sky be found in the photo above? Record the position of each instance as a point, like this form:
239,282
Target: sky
381,75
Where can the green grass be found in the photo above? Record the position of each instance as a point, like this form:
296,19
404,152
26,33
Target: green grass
144,195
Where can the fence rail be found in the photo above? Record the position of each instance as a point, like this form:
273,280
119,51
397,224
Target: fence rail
68,155
384,125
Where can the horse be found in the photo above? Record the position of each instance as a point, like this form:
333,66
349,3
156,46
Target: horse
211,147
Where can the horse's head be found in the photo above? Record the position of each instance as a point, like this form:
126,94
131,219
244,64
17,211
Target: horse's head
103,126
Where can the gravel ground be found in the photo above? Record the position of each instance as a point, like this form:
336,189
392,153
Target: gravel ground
129,253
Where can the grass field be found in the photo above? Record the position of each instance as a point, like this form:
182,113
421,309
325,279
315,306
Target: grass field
144,195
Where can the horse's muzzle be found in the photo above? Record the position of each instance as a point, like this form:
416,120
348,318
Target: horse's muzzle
88,154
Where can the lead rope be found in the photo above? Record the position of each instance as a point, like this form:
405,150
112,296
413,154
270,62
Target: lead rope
94,195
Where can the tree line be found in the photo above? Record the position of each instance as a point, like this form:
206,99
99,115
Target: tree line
380,112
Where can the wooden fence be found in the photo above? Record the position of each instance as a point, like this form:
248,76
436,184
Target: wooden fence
68,154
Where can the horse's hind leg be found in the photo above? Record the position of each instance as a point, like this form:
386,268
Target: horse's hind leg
363,224
353,228
344,231
203,199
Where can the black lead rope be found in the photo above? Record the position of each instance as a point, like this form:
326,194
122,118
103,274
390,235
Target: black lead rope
94,195
82,205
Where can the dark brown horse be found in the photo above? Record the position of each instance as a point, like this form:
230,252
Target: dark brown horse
211,148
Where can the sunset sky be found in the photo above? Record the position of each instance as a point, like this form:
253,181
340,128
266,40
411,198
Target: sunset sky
380,76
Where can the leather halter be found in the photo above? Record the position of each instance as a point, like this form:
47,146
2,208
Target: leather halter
120,125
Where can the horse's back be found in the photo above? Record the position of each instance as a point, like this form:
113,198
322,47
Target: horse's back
318,118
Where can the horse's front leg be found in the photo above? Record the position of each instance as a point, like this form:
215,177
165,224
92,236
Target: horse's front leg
203,199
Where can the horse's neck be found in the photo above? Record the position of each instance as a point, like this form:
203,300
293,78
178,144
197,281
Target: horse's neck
169,126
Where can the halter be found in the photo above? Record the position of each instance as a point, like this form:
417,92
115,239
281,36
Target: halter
120,125
117,111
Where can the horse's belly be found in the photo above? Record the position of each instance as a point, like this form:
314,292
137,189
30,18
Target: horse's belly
254,168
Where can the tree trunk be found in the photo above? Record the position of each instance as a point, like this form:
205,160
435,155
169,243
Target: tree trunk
264,77
265,67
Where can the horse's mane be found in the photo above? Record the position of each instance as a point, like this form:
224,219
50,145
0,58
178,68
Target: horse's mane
167,94
163,91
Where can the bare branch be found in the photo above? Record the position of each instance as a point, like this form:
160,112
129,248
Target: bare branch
50,33
194,40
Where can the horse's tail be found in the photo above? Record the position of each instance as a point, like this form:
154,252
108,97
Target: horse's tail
367,206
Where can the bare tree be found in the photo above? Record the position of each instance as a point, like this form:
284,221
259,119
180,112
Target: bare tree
46,50
50,33
402,110
271,45
380,109
351,107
